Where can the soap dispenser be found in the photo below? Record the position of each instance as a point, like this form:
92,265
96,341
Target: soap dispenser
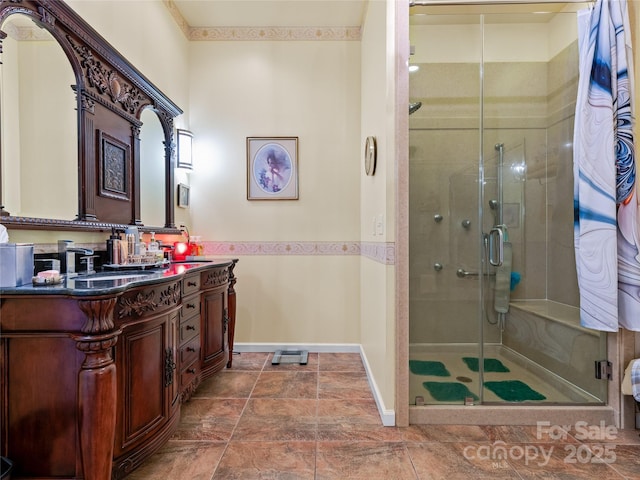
153,243
154,248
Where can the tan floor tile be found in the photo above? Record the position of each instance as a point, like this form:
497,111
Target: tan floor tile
229,385
332,411
181,461
207,419
268,460
343,385
247,361
267,419
340,362
624,459
529,434
363,460
358,432
444,433
561,461
457,461
286,385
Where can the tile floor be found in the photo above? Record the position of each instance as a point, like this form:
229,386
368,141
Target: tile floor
320,421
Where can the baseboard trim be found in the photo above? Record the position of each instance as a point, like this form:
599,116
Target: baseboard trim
387,416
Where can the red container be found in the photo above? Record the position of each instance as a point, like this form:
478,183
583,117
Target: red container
180,251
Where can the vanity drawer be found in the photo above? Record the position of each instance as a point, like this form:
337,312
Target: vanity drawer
190,307
189,328
189,374
190,351
191,284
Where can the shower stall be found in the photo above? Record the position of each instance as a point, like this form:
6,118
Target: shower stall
493,301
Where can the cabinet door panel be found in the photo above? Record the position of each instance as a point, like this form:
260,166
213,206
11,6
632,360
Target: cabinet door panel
213,331
40,418
142,385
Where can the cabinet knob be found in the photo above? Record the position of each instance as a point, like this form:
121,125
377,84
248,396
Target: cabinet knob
191,327
191,349
191,284
191,305
191,370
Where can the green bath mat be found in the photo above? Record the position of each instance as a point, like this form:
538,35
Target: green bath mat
426,367
514,391
490,364
449,391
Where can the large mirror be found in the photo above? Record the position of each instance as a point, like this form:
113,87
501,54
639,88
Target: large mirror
151,169
38,124
86,141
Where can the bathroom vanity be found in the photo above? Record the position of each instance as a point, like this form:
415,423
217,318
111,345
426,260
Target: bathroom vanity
94,370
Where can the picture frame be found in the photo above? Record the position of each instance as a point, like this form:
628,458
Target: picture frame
272,168
183,195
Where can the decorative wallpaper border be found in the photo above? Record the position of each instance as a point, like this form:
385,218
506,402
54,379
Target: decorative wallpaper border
381,252
254,34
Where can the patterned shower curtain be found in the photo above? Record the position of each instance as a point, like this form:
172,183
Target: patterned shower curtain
606,213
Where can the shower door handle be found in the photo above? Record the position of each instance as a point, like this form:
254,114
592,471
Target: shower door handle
496,246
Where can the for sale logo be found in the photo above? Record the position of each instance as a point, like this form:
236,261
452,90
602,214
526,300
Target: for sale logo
540,454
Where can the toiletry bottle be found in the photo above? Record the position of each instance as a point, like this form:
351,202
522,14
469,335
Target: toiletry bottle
153,244
114,250
154,247
131,246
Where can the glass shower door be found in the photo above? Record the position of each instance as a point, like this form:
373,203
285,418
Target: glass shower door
445,233
493,297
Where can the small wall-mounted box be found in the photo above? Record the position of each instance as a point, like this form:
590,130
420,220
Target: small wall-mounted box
16,264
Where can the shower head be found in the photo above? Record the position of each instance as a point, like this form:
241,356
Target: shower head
493,204
413,107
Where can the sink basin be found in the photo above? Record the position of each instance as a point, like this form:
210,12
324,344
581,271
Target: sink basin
120,276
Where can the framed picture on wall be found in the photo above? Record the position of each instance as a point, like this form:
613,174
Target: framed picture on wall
183,195
272,168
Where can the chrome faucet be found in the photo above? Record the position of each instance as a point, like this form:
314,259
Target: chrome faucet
67,253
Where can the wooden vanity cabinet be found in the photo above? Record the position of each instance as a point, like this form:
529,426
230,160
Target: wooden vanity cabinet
92,385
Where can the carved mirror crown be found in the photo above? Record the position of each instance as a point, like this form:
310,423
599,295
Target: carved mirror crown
110,97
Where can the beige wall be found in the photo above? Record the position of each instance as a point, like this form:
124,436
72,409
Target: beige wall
377,280
303,89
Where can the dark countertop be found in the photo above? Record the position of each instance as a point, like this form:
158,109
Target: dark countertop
113,281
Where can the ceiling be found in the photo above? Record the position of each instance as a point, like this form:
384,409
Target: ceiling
272,13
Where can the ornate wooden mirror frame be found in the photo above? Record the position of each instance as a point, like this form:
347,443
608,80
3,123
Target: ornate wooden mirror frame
110,96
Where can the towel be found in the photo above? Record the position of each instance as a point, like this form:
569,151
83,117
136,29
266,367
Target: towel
631,380
503,281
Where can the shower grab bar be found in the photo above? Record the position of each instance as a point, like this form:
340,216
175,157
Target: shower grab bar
462,273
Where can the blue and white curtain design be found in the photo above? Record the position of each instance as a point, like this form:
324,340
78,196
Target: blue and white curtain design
606,212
